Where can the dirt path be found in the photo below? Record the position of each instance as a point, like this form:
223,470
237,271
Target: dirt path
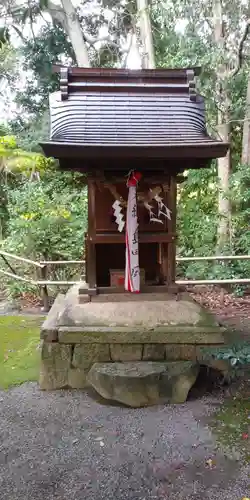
65,445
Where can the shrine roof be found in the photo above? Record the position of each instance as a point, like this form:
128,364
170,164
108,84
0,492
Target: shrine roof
143,113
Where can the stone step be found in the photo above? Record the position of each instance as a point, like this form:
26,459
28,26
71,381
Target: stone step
144,383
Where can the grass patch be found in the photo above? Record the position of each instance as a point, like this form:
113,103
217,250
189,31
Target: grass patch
19,354
232,426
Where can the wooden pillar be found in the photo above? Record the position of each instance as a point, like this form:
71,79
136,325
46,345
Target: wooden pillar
91,250
171,258
168,250
44,289
163,247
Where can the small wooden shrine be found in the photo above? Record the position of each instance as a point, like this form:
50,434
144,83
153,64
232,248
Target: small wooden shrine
133,133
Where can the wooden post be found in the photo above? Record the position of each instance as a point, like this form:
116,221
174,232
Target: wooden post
91,250
164,247
44,289
171,250
85,258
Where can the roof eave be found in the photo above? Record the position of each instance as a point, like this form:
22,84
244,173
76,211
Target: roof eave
206,150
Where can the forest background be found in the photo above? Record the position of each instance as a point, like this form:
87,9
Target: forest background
43,211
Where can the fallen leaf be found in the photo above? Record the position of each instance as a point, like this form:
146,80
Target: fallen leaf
210,463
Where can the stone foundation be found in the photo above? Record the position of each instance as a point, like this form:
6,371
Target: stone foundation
67,365
77,336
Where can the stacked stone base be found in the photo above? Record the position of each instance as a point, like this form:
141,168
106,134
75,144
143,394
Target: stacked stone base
67,365
76,347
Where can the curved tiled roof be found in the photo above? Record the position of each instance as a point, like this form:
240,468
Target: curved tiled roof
127,118
113,109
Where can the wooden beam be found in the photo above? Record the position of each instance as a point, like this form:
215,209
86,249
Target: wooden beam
173,288
149,237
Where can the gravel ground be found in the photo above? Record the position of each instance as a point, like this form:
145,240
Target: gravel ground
67,446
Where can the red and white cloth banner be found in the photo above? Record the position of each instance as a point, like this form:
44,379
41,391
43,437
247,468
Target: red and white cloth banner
132,270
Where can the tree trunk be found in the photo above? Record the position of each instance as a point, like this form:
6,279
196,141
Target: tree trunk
148,59
223,100
245,155
75,34
224,205
67,17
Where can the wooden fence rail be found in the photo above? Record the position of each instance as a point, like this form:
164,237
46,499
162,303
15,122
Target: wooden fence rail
213,257
43,283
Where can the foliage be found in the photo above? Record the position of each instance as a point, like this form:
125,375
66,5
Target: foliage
18,161
199,190
19,354
47,218
197,223
16,165
197,220
240,195
236,354
4,129
49,47
42,216
7,62
183,35
30,133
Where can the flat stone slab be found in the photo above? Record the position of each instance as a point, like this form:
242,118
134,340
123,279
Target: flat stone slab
133,321
135,311
144,383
